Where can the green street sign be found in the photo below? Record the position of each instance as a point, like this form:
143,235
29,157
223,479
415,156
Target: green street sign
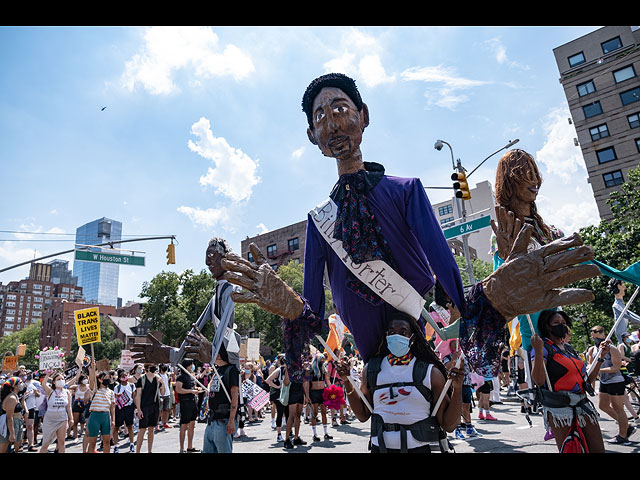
113,258
467,227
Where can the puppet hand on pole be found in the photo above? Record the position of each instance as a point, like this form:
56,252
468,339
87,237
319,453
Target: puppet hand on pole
529,282
506,230
154,352
261,285
198,347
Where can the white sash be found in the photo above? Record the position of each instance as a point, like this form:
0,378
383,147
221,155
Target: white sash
376,274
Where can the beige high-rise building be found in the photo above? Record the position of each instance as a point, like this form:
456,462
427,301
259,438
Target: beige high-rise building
599,74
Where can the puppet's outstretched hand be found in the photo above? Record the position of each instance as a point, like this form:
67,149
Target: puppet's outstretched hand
153,351
261,285
534,281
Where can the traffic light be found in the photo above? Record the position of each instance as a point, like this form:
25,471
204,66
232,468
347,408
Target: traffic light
460,185
171,254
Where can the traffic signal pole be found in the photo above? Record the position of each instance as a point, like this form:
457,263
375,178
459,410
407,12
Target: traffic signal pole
465,238
172,237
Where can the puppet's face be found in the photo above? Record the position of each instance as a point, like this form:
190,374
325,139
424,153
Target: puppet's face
337,123
213,259
528,185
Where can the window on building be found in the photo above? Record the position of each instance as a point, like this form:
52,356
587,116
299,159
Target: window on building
630,96
599,132
586,88
624,74
296,261
634,121
612,179
576,59
638,144
446,220
611,45
293,244
250,257
272,250
445,210
37,286
606,155
592,109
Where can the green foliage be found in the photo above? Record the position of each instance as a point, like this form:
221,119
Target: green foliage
616,243
30,336
175,301
481,269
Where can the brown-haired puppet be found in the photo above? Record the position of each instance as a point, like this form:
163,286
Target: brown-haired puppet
382,224
518,182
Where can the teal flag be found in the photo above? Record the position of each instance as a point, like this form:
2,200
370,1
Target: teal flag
631,274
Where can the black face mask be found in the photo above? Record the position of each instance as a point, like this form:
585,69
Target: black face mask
559,331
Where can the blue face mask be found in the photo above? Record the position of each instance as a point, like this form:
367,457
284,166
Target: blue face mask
398,345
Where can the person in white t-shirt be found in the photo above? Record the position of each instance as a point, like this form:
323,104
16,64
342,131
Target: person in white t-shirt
165,400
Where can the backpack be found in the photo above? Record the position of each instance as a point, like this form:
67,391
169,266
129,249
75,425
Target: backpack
574,442
426,430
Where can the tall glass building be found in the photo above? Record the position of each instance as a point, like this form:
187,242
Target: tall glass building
99,281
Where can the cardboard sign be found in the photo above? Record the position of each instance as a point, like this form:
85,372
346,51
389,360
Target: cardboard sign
87,325
80,356
103,365
10,363
253,349
50,360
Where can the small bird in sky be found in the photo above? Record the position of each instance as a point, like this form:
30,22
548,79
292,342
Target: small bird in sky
102,109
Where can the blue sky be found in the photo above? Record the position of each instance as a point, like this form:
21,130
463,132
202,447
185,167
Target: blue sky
203,133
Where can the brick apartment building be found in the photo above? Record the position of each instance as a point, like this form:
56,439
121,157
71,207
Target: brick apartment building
279,246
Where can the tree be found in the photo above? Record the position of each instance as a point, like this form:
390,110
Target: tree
175,302
30,336
616,243
481,269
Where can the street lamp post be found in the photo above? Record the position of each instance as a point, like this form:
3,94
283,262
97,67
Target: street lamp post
461,213
583,320
460,202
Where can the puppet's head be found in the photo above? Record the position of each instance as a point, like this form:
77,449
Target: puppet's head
216,251
518,180
336,115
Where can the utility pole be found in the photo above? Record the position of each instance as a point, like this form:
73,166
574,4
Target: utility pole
465,238
172,237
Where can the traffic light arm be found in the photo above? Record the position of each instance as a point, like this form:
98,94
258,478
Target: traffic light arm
172,237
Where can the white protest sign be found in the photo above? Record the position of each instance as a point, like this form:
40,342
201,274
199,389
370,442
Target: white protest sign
51,359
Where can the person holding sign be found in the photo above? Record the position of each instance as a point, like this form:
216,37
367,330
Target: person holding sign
59,416
102,412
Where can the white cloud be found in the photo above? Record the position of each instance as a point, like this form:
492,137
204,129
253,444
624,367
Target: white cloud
559,154
234,173
359,56
448,84
565,201
262,228
297,153
499,52
209,218
170,49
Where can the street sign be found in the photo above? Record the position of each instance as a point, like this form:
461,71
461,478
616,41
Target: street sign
114,258
467,227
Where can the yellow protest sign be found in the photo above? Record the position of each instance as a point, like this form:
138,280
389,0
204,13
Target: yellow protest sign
87,325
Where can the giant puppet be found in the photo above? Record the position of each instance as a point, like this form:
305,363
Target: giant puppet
219,310
379,240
